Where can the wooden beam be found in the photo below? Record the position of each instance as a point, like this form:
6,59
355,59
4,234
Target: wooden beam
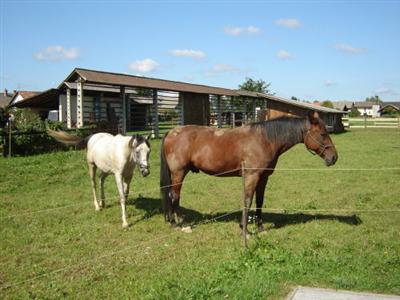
244,119
254,110
219,114
156,128
123,98
182,109
79,103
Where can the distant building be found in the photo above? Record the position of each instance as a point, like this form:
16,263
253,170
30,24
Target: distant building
5,98
390,108
343,105
22,95
368,109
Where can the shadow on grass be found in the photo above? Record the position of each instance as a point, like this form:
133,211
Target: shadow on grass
152,206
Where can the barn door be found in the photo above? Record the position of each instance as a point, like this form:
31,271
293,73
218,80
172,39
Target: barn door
196,109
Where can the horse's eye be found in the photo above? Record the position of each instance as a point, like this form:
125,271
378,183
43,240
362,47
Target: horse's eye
324,134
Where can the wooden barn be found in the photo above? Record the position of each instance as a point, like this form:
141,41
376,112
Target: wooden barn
131,103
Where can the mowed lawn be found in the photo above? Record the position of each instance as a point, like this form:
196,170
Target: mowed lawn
336,227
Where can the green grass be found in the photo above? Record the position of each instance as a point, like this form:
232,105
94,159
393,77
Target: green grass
75,252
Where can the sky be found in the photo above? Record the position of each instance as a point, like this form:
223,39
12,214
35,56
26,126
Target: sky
312,50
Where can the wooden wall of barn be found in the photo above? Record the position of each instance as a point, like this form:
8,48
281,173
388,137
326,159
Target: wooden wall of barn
96,107
277,109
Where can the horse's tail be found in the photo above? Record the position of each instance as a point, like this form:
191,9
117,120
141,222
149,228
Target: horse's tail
165,183
68,139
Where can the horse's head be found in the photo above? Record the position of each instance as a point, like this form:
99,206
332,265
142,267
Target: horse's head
141,148
317,140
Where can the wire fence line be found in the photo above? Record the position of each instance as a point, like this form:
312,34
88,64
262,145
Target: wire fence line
112,253
205,178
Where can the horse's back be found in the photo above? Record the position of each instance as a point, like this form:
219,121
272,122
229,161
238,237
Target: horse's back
108,152
211,150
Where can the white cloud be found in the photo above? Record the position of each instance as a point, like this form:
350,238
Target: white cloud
224,68
349,49
385,91
283,54
144,66
253,30
288,23
188,53
57,53
188,78
329,82
236,31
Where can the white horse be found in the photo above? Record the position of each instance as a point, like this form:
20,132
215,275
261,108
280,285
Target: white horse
111,154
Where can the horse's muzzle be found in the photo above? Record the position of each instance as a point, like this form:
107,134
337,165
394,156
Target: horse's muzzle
330,161
145,171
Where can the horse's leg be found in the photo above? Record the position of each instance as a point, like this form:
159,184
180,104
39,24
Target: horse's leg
177,180
251,181
126,182
92,173
103,177
260,190
122,196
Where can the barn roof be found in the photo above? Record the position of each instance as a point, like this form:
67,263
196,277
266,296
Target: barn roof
304,105
118,79
47,99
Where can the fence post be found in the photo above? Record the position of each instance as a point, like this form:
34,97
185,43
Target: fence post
9,137
365,120
244,233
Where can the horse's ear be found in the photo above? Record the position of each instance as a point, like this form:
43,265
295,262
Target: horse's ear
133,141
313,116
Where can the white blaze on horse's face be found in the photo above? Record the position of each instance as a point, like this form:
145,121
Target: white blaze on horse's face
142,154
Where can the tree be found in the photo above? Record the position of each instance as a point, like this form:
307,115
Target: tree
259,86
327,103
354,112
374,99
295,98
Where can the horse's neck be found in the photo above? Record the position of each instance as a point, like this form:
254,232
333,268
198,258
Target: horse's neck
288,141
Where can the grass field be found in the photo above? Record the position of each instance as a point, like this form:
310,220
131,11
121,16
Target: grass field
335,227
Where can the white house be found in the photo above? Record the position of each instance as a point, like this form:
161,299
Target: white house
368,108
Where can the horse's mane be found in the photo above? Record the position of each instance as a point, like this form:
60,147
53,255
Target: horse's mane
286,129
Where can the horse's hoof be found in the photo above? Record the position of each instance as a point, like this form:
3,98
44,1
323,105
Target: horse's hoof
260,228
125,225
98,208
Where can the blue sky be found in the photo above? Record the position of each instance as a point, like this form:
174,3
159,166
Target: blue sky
314,50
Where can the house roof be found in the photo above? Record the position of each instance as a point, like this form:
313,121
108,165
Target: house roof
24,95
118,79
395,105
5,100
41,100
364,104
341,105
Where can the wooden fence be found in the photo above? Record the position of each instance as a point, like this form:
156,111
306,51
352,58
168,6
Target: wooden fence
365,122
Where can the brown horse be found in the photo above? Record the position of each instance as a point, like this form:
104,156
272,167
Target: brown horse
223,152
